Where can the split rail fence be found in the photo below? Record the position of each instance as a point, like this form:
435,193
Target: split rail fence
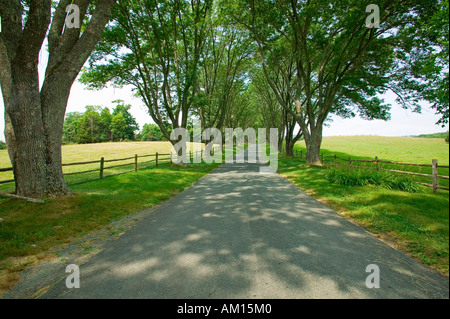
132,164
389,166
103,165
119,166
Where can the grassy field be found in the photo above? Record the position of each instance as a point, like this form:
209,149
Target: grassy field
416,223
401,149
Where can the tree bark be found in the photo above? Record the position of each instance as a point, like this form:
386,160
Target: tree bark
313,143
54,96
34,118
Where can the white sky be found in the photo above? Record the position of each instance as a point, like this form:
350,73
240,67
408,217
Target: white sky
402,123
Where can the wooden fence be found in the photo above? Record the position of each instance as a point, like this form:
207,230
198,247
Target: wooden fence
376,164
105,164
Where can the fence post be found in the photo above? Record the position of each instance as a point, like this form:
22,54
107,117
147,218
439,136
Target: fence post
156,159
435,176
376,163
322,159
170,157
102,166
136,163
335,160
350,162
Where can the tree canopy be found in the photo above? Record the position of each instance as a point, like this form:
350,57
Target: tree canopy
215,61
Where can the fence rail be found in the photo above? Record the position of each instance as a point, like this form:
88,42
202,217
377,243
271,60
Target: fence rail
435,176
158,159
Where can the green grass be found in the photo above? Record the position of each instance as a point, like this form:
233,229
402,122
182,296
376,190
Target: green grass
416,223
401,149
398,149
363,177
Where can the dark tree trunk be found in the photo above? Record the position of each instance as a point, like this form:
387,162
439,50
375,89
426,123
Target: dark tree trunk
313,144
26,141
54,97
290,138
289,148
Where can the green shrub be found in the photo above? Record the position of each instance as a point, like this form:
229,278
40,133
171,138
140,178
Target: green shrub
2,145
364,177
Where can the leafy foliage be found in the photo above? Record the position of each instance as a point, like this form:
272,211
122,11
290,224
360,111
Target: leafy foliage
425,56
156,47
97,125
151,132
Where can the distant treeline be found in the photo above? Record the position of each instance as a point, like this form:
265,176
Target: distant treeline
97,125
444,135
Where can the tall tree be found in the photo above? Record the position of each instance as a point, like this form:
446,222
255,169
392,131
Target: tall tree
70,127
278,68
223,70
90,128
131,125
119,127
273,114
154,46
105,124
342,63
34,116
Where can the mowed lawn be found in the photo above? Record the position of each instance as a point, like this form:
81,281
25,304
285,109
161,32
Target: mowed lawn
400,149
416,223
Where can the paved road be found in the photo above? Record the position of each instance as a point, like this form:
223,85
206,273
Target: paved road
241,234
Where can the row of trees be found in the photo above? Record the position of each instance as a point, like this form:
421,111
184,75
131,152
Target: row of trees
98,124
293,62
227,63
181,60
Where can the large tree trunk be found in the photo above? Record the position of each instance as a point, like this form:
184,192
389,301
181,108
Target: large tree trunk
26,140
312,134
35,143
34,117
54,97
290,138
280,138
313,143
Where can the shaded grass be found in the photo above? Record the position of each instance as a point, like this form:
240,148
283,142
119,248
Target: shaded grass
416,223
